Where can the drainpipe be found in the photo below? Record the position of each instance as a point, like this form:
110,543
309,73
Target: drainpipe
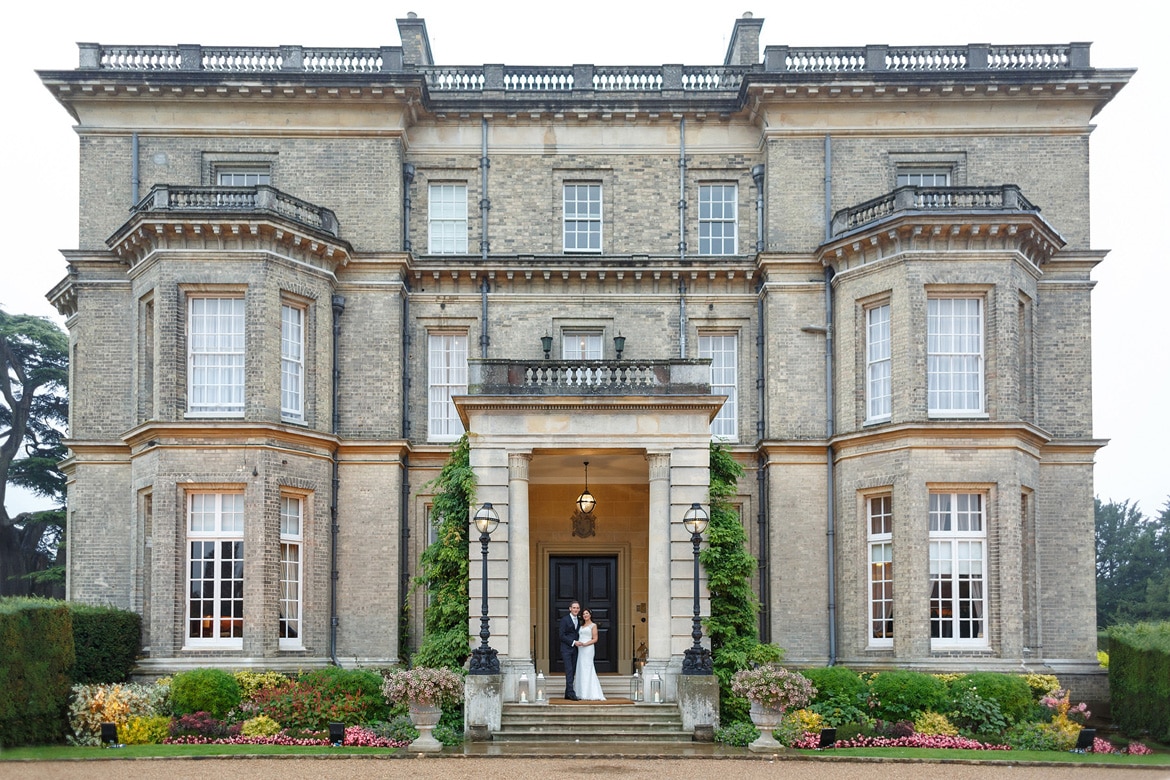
134,183
830,421
338,309
404,497
485,206
407,180
762,520
682,236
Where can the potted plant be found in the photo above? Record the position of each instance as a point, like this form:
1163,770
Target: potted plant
772,690
425,690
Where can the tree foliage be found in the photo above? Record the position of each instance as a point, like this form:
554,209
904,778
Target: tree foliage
735,639
444,574
34,354
1133,564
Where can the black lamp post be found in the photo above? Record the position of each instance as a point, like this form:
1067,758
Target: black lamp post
696,659
483,658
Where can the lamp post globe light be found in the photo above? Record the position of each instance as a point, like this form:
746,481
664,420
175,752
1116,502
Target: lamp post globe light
483,658
696,659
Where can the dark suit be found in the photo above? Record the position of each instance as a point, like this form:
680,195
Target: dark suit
568,632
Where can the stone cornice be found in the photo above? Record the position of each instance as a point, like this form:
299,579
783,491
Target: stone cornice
944,232
943,434
587,404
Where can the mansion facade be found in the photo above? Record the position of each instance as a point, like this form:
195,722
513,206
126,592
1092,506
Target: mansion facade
303,274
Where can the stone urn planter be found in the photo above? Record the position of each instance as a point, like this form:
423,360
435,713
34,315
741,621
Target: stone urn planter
767,720
425,717
425,691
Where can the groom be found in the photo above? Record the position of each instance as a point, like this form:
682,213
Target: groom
568,631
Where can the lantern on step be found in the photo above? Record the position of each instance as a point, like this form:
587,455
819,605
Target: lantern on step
655,689
636,687
524,688
540,697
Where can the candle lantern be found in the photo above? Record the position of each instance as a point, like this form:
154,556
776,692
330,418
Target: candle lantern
540,697
524,683
636,687
656,689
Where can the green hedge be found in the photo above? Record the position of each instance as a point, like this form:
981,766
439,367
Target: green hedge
1139,679
107,642
36,654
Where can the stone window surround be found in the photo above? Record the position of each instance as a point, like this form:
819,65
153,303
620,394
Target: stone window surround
988,537
217,536
983,293
212,163
867,498
903,162
187,293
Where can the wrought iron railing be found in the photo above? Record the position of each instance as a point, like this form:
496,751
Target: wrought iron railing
1006,197
260,198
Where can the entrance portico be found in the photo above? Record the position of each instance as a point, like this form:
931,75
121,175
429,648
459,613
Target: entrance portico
645,430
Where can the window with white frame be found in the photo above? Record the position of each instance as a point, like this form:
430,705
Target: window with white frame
215,571
954,356
723,350
581,345
924,178
215,356
582,214
292,362
880,514
878,377
958,568
447,219
240,177
291,568
446,378
718,212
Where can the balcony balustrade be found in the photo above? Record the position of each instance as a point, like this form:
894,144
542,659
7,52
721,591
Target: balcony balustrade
256,199
1006,197
589,377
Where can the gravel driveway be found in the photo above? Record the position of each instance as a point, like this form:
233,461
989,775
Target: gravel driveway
505,768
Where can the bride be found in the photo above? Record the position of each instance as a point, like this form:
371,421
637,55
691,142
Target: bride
587,685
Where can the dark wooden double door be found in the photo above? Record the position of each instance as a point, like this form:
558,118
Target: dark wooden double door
592,581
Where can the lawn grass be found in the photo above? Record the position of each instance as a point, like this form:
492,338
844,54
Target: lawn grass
69,753
1016,756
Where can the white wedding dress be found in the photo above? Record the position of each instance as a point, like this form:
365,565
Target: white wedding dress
586,685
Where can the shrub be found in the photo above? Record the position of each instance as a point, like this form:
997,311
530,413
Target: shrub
36,653
1011,692
1041,684
362,686
250,682
307,707
935,723
836,683
212,691
837,713
449,730
107,642
904,695
145,730
260,726
894,730
737,734
399,729
94,705
202,724
1034,736
976,716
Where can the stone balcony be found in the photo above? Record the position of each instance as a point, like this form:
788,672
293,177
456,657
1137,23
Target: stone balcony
589,377
258,199
955,200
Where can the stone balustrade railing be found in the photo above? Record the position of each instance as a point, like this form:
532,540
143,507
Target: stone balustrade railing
260,198
589,377
477,78
1004,198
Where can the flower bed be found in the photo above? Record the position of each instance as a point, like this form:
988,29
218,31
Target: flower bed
355,736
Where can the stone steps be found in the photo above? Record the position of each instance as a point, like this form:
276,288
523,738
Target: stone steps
574,722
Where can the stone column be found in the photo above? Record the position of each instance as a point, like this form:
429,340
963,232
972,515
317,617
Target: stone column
519,575
658,542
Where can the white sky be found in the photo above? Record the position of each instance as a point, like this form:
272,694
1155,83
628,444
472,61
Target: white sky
1129,160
